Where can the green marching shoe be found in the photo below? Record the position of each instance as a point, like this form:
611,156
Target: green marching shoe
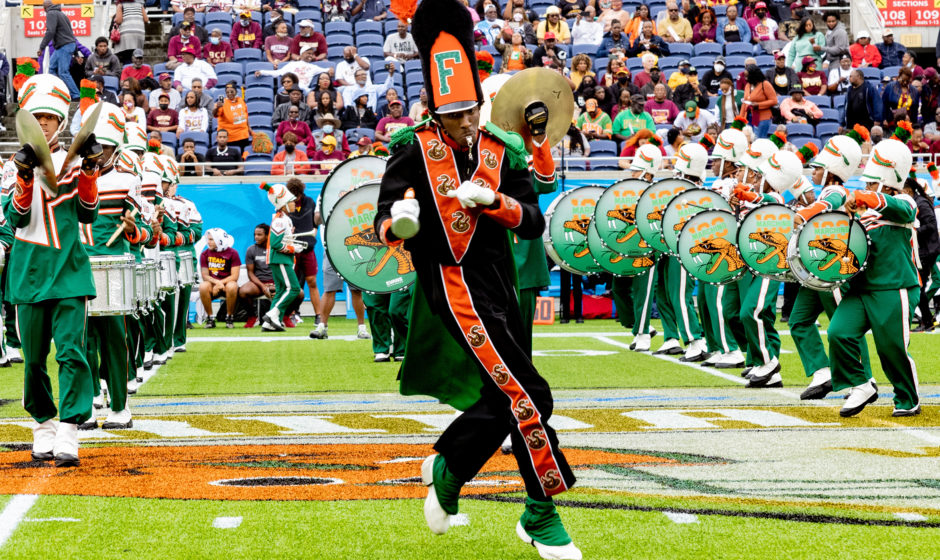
443,492
540,526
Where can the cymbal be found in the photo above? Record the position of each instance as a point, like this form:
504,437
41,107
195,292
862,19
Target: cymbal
29,132
530,85
79,139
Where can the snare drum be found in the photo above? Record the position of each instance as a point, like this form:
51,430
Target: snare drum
167,273
114,285
141,289
650,207
682,207
707,250
828,250
187,268
763,236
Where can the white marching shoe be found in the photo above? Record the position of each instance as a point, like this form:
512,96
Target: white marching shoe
13,354
670,347
566,552
65,447
271,322
642,343
731,360
44,440
132,386
120,420
766,375
695,352
819,387
712,359
859,397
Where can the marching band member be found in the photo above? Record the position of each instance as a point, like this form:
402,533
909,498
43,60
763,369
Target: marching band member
832,167
445,174
883,296
280,256
151,184
169,241
50,276
190,228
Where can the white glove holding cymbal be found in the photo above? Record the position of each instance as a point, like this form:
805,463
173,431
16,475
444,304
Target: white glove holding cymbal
470,194
405,216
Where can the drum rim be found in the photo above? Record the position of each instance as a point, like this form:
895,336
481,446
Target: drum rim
669,204
406,286
832,284
594,219
733,219
608,270
333,171
641,198
547,236
782,277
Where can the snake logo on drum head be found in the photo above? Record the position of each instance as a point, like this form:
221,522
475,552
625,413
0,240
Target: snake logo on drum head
763,236
828,250
682,207
707,250
650,206
615,218
567,222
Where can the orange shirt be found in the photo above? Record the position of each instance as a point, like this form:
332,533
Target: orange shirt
516,59
234,119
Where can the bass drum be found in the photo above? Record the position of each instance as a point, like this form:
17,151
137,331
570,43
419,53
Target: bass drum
685,205
356,251
707,250
615,263
345,177
828,250
567,221
650,207
615,218
763,236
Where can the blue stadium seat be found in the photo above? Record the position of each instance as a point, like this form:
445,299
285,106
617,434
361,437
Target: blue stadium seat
354,134
372,52
225,28
111,83
739,48
260,108
258,94
331,27
168,138
367,39
259,121
712,102
576,165
702,63
871,73
702,49
890,71
603,147
827,129
671,60
229,68
218,17
830,115
226,77
248,55
309,5
200,138
253,67
414,91
256,16
583,49
266,82
312,15
800,141
821,101
338,39
720,10
335,52
412,65
634,64
370,26
735,60
412,78
159,69
606,164
765,61
681,49
391,26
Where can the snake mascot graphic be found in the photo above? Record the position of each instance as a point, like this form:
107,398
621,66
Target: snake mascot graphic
368,238
848,262
776,241
721,251
627,216
579,225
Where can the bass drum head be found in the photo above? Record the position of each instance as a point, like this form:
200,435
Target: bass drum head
615,218
764,235
355,249
650,206
345,177
707,250
685,205
799,271
833,247
615,263
567,222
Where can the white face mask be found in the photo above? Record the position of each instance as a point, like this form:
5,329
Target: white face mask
719,68
517,17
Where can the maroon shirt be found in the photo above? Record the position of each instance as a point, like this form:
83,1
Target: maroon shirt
162,118
316,39
218,264
215,54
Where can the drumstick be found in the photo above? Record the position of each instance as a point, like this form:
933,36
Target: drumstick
119,230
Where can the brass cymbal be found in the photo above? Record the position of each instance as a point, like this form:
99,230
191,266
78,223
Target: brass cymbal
28,132
527,86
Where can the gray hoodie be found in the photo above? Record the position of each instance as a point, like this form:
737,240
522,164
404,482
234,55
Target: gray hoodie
108,62
58,29
837,43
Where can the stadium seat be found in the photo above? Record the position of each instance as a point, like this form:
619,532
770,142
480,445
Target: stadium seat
228,67
765,61
634,65
313,5
703,49
258,94
200,138
332,27
226,77
414,78
720,10
340,39
354,134
607,164
414,91
871,73
827,129
603,147
735,60
159,69
248,55
370,27
335,52
411,65
576,164
702,63
252,67
712,102
890,71
681,49
168,138
218,17
260,107
821,101
266,82
225,28
830,115
739,49
256,16
312,15
111,84
583,49
372,52
259,121
800,141
391,26
369,39
671,60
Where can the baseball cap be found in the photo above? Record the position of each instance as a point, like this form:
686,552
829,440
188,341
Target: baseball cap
779,54
887,32
685,63
549,35
490,8
328,139
164,95
552,10
622,71
305,23
691,106
760,5
305,48
693,70
930,72
394,102
364,141
796,88
138,53
862,35
590,104
185,25
164,76
188,50
245,13
846,56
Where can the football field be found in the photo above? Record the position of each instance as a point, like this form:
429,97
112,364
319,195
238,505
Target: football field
255,445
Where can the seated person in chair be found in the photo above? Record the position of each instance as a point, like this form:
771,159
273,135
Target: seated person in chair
260,281
219,265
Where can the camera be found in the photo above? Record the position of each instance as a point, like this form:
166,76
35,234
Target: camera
562,55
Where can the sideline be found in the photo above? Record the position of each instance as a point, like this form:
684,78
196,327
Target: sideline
14,513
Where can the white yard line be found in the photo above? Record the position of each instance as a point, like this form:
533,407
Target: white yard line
681,518
227,522
44,519
909,516
14,512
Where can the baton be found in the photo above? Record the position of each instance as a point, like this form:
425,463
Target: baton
119,230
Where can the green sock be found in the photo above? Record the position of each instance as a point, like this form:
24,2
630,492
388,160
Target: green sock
542,522
446,486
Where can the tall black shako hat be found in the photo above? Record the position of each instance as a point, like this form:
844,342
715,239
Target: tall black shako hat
443,32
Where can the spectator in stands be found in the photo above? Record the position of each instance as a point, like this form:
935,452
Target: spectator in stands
324,106
224,154
764,29
731,29
648,43
908,60
277,16
166,86
837,40
515,55
139,71
260,280
183,5
632,117
294,125
900,94
586,31
615,12
324,85
395,121
760,99
791,28
546,54
572,8
163,118
655,78
368,10
217,50
363,147
490,26
574,144
288,82
781,76
239,6
246,33
277,45
155,144
185,39
711,81
681,75
59,35
400,45
729,102
609,77
328,125
102,61
675,28
554,24
674,140
192,118
219,265
520,22
930,92
864,54
133,113
290,160
741,80
633,143
605,101
808,43
131,85
691,90
594,123
580,67
644,76
105,95
706,30
304,69
918,144
623,82
231,113
282,111
862,103
661,109
838,81
584,92
371,91
189,16
390,95
327,157
419,107
798,109
352,63
130,16
335,10
812,80
308,37
890,51
358,113
191,160
203,99
191,69
693,121
932,128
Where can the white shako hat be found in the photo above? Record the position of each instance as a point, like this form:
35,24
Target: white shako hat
278,194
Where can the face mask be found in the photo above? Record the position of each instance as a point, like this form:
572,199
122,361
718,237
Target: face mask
517,17
361,82
282,35
685,70
719,68
128,104
328,129
214,40
622,80
246,22
184,37
164,106
289,148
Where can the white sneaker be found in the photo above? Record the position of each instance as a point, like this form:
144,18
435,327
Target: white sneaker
118,420
44,440
712,359
819,387
642,343
731,360
65,447
381,357
160,359
181,348
566,552
140,375
132,387
860,396
765,375
320,332
695,352
98,401
438,520
363,334
271,322
671,346
13,354
171,353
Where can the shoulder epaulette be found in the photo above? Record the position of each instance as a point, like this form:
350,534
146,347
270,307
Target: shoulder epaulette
515,145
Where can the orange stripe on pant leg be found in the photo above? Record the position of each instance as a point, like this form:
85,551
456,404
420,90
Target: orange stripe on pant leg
523,409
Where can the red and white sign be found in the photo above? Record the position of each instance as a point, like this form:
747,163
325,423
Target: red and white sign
909,13
34,20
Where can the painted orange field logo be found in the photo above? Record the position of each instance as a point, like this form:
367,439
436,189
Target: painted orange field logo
268,472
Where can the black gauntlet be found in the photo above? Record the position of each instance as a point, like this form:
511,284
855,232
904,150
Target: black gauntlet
536,116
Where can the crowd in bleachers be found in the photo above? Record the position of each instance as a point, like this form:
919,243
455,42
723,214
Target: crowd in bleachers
302,82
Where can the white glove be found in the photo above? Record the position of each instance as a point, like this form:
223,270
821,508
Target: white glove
405,218
470,194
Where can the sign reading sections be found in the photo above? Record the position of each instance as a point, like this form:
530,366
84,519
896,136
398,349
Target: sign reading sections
909,13
34,19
